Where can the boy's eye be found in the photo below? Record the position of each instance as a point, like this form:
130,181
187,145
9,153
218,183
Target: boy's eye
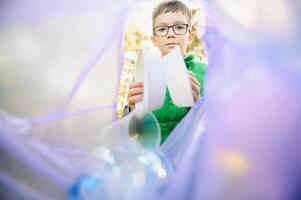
161,29
180,27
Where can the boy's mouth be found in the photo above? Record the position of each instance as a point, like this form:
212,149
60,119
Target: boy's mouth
171,44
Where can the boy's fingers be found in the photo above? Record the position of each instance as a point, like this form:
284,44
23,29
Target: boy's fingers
134,99
193,80
192,77
195,87
195,83
135,91
191,74
136,84
196,96
195,91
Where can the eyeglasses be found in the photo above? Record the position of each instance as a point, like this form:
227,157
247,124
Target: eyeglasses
178,29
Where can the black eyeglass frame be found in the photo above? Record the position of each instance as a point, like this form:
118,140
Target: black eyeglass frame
172,27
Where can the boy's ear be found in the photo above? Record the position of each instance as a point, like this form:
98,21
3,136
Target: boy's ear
191,37
153,39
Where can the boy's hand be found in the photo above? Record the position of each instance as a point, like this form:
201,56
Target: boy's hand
135,94
195,85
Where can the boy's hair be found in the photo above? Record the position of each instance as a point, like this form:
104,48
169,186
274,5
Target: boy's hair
171,6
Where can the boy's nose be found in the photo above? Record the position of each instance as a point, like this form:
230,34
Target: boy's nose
170,36
170,33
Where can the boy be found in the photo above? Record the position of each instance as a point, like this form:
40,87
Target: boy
171,27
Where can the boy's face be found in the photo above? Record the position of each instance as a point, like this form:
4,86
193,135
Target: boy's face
168,42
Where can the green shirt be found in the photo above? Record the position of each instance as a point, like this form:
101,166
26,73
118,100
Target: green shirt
169,115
